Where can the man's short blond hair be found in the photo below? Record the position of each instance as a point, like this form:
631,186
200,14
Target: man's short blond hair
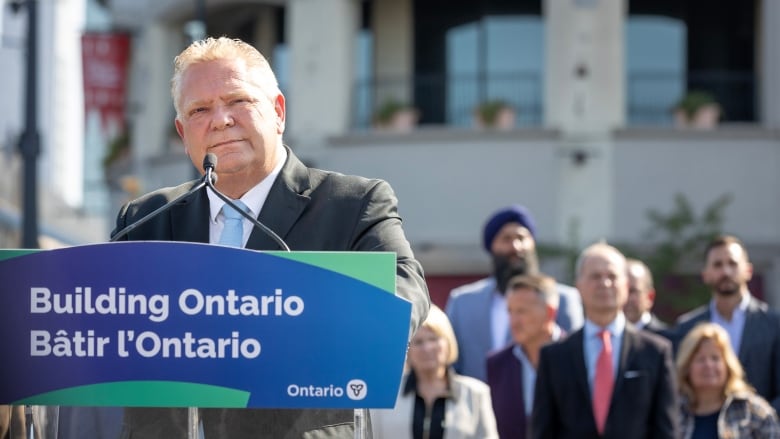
544,286
214,49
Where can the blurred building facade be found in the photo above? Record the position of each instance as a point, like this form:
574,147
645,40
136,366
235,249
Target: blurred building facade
592,145
71,193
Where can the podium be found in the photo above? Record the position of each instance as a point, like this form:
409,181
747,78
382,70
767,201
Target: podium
185,325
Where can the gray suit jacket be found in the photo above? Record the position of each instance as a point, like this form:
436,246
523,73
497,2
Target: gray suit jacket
309,209
468,308
759,350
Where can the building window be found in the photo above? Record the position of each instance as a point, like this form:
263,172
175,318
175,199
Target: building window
655,68
717,49
467,52
496,58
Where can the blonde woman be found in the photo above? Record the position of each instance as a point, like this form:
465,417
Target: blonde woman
434,402
716,400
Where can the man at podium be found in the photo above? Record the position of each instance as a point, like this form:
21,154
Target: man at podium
228,103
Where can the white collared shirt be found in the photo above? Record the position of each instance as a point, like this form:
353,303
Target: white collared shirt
529,372
592,344
644,320
254,200
736,325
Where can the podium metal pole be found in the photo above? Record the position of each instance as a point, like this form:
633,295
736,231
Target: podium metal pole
363,424
28,422
192,423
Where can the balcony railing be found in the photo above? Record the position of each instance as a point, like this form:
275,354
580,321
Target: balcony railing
451,99
652,95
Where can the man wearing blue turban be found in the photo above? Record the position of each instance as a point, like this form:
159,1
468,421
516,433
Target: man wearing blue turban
478,310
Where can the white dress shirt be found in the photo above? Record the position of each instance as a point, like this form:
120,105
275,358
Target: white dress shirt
254,200
593,345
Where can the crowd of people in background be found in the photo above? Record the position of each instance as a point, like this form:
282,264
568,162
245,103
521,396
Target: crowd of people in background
514,355
593,360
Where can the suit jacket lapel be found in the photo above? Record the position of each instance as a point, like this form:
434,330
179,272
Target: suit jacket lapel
626,352
752,326
577,339
191,218
285,203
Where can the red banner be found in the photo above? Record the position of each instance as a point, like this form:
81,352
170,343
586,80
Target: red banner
105,57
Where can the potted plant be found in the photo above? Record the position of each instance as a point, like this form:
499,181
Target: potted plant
394,115
496,113
697,109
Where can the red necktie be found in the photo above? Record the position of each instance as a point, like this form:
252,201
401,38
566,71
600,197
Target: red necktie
603,382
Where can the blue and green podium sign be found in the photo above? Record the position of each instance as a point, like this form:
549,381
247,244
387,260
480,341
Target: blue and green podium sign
164,324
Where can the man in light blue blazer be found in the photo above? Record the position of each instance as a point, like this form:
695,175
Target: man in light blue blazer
478,310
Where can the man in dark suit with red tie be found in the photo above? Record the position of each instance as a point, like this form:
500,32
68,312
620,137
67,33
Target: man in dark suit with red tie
607,380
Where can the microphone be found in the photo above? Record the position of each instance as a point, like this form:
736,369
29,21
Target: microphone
209,164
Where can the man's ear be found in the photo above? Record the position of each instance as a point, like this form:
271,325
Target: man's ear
552,312
281,113
651,295
180,132
179,127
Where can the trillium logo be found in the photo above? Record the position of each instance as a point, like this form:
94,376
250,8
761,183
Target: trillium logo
356,389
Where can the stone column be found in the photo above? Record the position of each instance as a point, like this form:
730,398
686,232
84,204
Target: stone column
585,101
322,45
264,35
393,39
151,112
586,193
585,79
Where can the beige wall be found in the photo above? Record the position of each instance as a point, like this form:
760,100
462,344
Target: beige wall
447,182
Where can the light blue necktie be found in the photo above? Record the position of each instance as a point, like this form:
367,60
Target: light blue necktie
233,232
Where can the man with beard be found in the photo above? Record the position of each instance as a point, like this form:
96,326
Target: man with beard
477,311
753,329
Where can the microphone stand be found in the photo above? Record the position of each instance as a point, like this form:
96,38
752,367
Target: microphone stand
161,209
279,241
193,420
362,417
